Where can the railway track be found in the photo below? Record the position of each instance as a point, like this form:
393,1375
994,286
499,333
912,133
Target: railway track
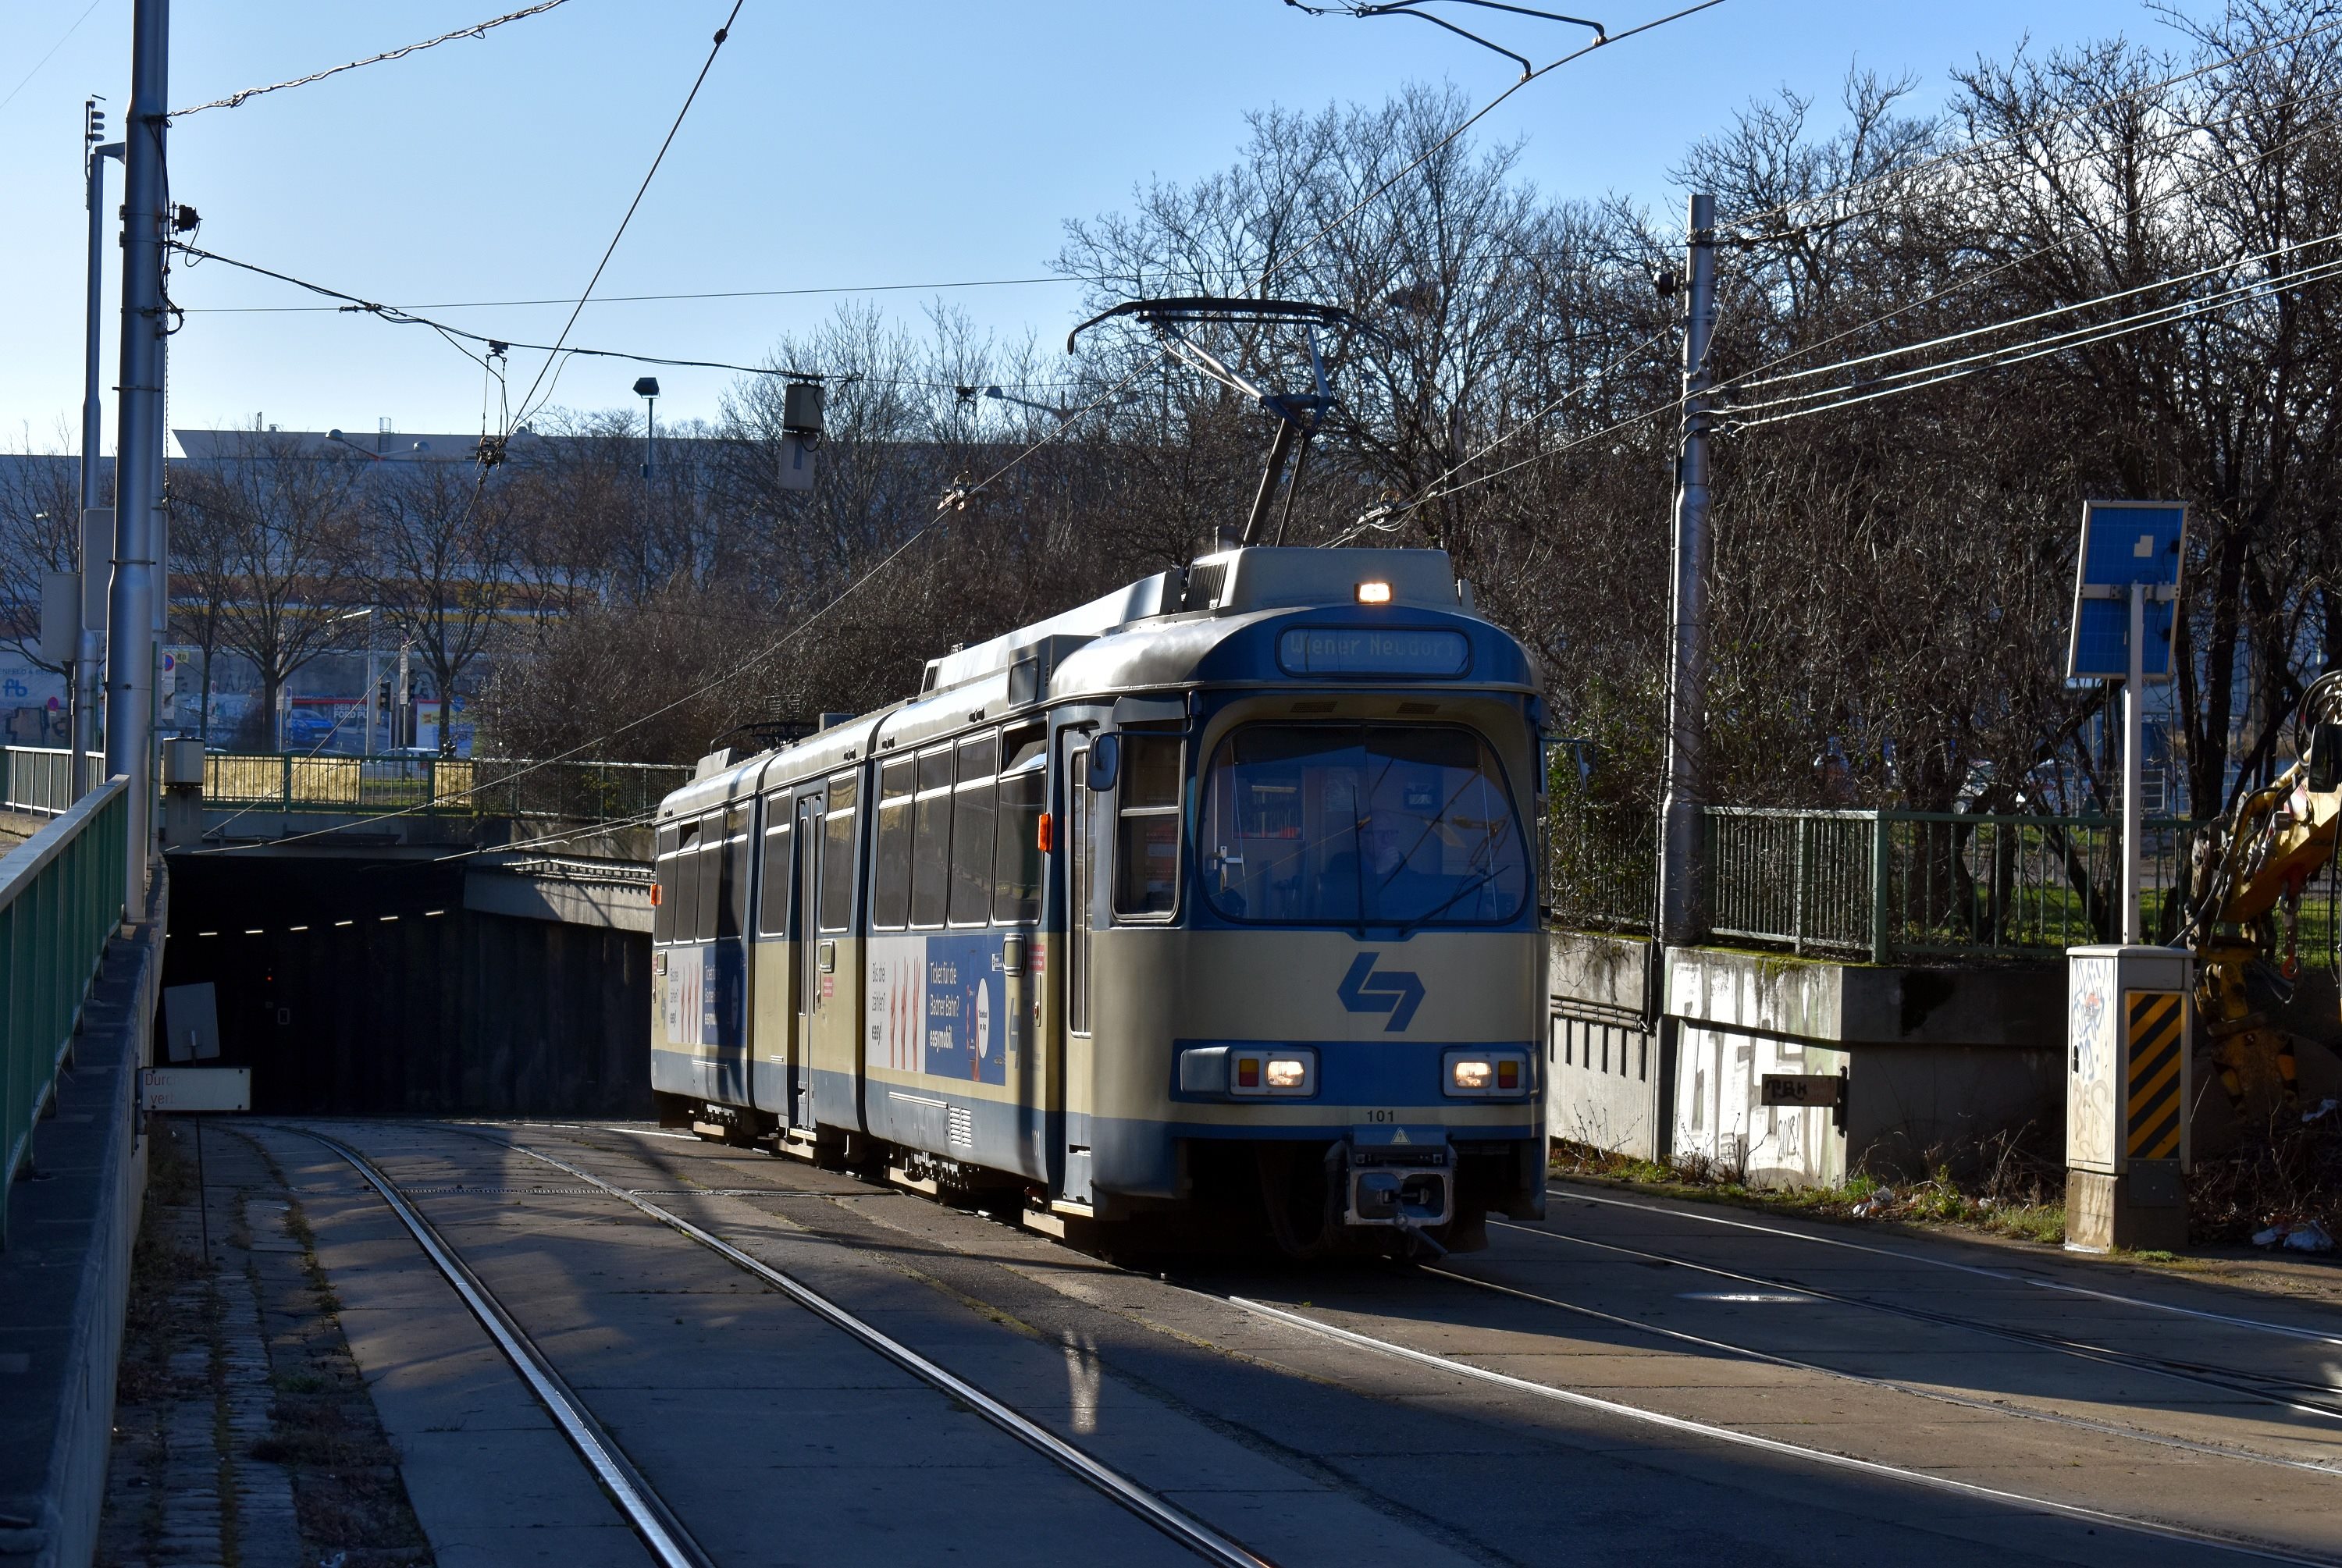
662,1531
1371,1334
1916,1391
2321,1400
1736,1438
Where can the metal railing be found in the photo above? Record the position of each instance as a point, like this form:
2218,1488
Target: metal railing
1890,884
39,780
1602,866
438,787
60,899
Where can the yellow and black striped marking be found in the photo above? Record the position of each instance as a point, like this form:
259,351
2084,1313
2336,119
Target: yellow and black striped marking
2158,1020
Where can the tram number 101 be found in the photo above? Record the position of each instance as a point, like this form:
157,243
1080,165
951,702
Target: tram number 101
1382,1115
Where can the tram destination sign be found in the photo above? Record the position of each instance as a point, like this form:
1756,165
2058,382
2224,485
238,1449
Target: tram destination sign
1373,651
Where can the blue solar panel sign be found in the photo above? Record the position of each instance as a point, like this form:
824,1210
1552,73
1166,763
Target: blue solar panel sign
2125,543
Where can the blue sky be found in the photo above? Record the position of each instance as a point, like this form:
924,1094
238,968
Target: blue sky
835,145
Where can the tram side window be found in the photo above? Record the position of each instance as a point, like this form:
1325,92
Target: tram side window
931,839
1016,858
712,891
890,876
972,824
732,912
663,911
685,927
1147,877
837,855
773,905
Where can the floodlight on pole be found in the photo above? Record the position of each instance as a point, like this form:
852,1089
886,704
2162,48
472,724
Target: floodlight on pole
647,389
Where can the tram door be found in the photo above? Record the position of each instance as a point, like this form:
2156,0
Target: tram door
834,1021
803,949
776,1066
1069,1101
732,979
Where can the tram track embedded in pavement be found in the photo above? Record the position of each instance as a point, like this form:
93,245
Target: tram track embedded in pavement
2229,1319
670,1540
1895,1386
2236,1545
2281,1391
1154,1510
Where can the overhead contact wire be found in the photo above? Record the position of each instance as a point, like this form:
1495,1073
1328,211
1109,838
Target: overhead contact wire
611,249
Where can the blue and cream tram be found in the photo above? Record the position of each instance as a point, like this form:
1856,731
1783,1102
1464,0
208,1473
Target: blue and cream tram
1217,892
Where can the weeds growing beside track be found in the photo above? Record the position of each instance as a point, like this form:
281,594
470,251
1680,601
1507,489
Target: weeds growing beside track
2289,1170
2017,1196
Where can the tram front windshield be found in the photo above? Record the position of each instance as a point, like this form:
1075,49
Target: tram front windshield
1357,824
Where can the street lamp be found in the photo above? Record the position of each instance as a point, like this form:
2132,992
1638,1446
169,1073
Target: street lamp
647,390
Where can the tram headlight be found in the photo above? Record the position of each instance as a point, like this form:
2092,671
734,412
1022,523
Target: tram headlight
1248,1072
1374,593
1485,1075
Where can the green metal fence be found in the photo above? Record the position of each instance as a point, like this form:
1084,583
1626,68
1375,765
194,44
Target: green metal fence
60,899
1602,867
1890,884
438,787
38,779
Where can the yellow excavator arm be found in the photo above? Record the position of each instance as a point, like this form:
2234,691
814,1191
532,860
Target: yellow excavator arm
2249,871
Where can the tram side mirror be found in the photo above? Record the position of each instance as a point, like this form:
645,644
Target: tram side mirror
1106,761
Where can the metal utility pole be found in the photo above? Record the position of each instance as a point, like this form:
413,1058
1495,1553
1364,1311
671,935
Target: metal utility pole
2133,718
138,446
1682,877
97,525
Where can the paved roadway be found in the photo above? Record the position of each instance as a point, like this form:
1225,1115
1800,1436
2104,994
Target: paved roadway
1658,1380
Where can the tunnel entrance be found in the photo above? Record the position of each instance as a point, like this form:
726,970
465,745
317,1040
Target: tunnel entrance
359,985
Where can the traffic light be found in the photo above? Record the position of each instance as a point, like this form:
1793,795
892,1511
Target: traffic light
93,123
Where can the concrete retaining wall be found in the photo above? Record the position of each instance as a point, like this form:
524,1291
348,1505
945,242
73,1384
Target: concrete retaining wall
1937,1060
1602,1067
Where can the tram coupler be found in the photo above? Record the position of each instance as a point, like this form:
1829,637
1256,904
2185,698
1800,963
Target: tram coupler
1399,1177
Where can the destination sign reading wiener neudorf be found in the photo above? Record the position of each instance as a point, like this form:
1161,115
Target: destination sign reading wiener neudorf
1372,651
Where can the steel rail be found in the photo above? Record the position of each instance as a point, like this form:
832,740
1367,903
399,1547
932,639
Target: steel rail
1189,1532
2200,1373
2260,1325
1893,1385
661,1531
1736,1438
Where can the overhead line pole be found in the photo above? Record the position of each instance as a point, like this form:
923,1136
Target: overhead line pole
1682,827
138,449
97,525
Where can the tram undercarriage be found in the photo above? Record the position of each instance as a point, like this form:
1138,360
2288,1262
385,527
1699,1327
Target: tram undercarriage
1307,1199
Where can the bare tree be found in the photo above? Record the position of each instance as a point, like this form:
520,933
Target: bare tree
262,535
432,553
